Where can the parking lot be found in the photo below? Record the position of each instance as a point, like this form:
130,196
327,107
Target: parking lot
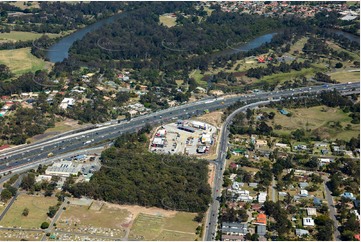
184,137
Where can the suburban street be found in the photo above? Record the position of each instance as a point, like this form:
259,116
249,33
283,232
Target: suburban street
332,212
211,220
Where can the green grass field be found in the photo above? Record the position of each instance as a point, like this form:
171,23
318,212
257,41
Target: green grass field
346,76
167,21
319,119
298,46
38,207
153,227
146,227
181,222
282,77
166,235
21,60
197,75
354,55
24,36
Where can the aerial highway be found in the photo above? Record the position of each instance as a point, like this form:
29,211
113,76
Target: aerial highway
12,158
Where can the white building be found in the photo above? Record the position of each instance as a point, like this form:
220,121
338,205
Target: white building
206,139
42,178
244,198
308,222
161,133
311,211
199,125
63,168
66,103
237,186
262,196
302,232
281,145
158,142
304,193
324,161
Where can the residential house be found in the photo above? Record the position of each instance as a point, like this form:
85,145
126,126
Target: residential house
302,232
324,161
262,196
234,228
226,237
324,151
261,230
303,185
237,185
260,142
308,222
261,219
303,193
143,87
348,195
67,102
311,211
256,207
321,144
253,184
317,201
244,196
280,145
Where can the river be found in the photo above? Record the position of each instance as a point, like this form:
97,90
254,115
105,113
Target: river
349,36
59,51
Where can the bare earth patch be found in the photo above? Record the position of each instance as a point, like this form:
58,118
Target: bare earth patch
213,118
211,174
135,210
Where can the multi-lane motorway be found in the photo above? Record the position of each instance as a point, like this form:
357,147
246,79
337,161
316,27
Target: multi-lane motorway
9,159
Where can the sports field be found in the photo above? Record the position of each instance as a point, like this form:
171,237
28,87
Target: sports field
38,207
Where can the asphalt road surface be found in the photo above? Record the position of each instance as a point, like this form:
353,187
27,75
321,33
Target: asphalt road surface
61,145
332,212
211,220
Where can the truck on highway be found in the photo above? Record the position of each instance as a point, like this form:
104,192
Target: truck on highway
88,142
50,154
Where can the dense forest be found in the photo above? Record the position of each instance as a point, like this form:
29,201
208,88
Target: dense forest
54,17
149,43
132,175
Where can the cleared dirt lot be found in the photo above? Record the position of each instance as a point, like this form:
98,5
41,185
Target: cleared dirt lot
125,221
